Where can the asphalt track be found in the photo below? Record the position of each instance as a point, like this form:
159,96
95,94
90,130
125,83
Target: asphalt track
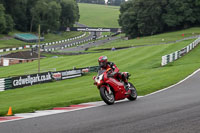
83,47
175,110
74,41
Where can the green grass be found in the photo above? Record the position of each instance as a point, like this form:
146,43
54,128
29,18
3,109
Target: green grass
61,36
143,63
155,39
48,38
94,15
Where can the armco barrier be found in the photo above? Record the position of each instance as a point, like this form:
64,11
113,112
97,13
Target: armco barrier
32,79
67,45
93,68
178,54
70,45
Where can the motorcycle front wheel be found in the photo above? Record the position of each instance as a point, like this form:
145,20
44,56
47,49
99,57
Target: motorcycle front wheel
133,95
107,97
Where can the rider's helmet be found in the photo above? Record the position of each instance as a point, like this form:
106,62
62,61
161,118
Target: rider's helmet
103,61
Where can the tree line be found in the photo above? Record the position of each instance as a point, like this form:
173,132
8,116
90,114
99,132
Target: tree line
26,15
149,17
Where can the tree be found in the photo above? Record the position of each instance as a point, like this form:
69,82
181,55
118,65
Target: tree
6,21
197,11
18,10
128,19
180,13
9,24
47,14
69,13
148,17
2,19
26,15
141,17
149,14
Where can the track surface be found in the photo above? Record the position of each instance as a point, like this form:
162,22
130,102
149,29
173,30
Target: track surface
74,41
176,110
90,44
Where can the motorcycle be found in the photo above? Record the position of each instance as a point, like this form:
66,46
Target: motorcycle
112,89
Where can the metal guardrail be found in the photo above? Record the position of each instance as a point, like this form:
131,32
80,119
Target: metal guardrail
44,44
178,54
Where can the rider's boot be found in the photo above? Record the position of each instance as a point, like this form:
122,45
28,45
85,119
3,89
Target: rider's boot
128,91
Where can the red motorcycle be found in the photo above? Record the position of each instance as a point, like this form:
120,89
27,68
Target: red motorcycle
112,89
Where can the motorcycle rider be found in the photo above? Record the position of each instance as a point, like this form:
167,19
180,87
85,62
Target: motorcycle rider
104,65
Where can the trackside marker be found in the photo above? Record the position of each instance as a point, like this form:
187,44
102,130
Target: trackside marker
72,107
10,112
56,110
64,108
9,118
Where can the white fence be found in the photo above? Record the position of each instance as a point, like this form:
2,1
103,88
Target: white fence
178,54
50,43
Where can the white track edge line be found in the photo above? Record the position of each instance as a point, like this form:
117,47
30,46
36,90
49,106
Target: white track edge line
174,84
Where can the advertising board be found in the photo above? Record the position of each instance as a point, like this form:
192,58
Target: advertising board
27,80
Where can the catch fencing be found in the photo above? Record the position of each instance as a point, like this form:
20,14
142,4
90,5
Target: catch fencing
178,54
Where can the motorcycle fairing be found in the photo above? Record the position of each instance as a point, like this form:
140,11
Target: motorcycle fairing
118,88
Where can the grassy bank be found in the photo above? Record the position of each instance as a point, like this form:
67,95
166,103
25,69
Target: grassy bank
142,63
9,41
94,15
154,39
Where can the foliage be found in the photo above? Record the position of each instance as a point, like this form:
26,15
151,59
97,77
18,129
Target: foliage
9,24
2,19
28,14
47,14
6,21
142,17
69,13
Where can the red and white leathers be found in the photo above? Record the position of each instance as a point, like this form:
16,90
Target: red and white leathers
115,71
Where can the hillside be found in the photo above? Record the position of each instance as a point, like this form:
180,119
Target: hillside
94,15
143,63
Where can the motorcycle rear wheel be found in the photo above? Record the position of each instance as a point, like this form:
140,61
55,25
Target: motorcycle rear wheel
107,98
133,95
